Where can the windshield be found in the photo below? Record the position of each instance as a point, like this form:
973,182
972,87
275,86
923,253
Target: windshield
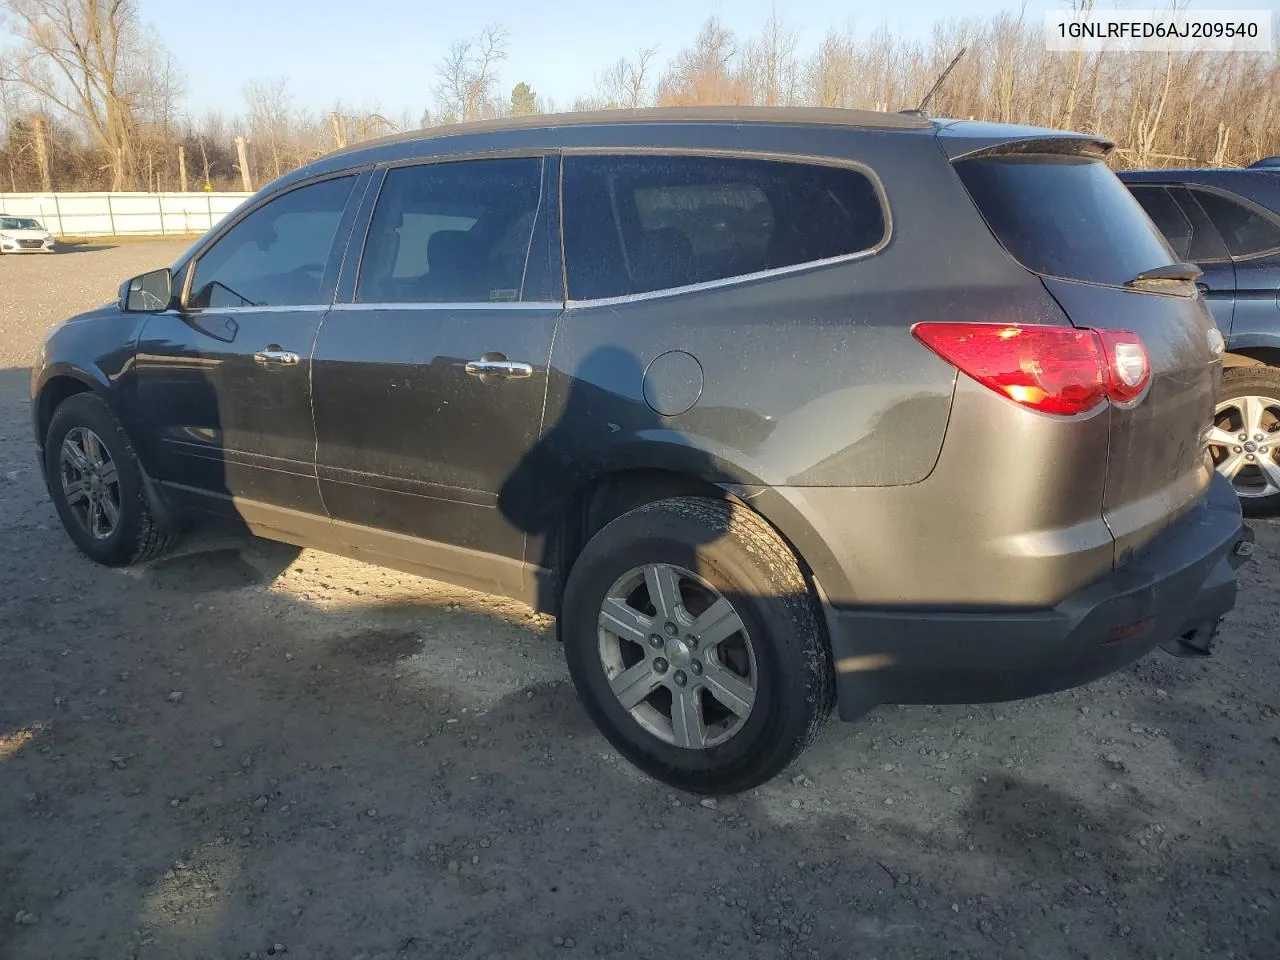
1065,216
19,223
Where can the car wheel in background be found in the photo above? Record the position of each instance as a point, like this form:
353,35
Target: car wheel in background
96,485
1245,439
696,645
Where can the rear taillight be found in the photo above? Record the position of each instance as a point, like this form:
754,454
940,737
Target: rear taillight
1129,367
1060,370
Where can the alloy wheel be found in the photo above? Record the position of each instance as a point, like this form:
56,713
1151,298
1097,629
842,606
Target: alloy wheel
1245,444
90,482
677,656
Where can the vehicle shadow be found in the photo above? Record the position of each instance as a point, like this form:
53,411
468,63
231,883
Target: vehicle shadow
72,246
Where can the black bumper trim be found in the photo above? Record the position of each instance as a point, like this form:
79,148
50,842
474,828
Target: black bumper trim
1183,581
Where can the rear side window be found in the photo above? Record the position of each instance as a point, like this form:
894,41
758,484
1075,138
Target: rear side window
1065,216
455,232
634,224
1246,231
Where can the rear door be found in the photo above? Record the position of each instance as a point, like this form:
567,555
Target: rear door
1252,237
1194,239
429,383
1069,219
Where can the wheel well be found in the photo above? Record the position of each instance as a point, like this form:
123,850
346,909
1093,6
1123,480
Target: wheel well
1252,357
56,392
609,497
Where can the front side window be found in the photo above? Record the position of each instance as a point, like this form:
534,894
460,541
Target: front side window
275,256
1246,231
634,224
453,232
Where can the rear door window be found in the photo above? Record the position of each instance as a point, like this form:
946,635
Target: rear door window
1206,242
1168,216
635,224
453,232
1065,216
1186,227
1247,232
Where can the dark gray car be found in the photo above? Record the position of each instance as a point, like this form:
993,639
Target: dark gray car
775,409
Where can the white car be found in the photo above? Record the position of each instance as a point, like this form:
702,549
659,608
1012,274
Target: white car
24,235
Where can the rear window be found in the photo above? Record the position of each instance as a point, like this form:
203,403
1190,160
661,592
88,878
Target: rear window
635,224
1065,216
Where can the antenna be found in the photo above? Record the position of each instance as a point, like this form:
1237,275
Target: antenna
937,83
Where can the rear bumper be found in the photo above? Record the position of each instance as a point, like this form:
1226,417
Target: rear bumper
1182,583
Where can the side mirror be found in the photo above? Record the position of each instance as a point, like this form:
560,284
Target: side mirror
147,293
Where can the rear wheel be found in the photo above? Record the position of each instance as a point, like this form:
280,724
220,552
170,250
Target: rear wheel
1245,439
96,485
695,644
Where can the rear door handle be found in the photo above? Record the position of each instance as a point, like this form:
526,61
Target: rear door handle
491,367
273,354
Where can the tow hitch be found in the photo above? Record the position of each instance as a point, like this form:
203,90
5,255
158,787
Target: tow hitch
1198,640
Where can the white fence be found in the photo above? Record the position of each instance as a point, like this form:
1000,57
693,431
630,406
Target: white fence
115,214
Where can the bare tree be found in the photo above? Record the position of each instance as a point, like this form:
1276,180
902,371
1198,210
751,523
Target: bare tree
625,83
769,64
76,54
90,99
270,117
468,76
706,72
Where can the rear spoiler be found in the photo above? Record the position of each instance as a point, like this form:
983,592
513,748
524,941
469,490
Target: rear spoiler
969,140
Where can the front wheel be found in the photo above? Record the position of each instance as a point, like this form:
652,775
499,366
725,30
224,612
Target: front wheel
1245,438
96,485
696,646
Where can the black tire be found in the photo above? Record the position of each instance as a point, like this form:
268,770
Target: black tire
739,555
1263,382
137,535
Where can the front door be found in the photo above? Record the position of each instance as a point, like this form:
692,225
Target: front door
224,381
429,385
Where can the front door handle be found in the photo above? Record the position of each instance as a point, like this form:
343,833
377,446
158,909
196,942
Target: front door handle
498,366
1203,288
273,354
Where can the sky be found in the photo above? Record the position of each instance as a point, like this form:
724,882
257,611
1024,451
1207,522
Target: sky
383,54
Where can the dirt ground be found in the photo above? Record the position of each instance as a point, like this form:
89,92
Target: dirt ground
243,751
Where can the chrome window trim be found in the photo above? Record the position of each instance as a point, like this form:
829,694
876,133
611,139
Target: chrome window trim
801,158
742,278
460,305
264,308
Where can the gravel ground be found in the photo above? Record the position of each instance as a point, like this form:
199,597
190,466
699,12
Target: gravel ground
244,750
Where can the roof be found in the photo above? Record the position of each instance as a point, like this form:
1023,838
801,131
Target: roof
815,116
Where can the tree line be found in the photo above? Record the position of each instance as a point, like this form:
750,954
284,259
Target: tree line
90,99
